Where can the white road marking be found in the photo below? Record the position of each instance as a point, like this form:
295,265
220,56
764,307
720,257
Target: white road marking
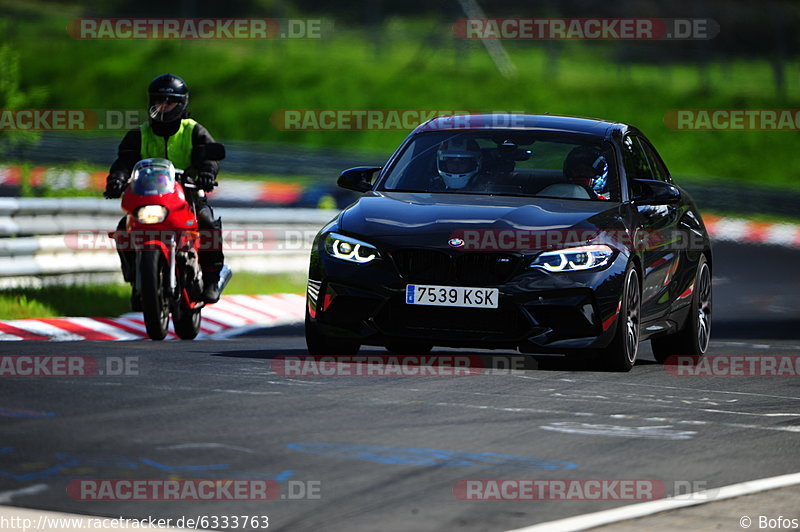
245,392
682,390
7,496
769,414
633,511
662,432
523,410
181,446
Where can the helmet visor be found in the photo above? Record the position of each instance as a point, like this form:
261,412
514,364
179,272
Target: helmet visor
166,108
458,163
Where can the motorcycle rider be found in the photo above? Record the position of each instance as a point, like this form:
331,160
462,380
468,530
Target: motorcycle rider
169,133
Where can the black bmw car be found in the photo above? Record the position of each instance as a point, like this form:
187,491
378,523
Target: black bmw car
540,233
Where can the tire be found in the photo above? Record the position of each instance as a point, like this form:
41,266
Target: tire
409,348
320,344
693,338
621,354
187,323
155,305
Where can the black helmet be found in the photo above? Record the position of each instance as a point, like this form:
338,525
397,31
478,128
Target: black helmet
586,165
168,97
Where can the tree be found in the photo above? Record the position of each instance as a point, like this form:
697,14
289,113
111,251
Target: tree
13,97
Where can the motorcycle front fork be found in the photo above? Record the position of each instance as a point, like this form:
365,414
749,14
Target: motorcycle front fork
172,279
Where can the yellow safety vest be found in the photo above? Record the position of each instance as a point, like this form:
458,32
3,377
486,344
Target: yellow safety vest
177,148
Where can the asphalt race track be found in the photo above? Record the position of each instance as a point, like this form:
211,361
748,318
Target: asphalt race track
384,453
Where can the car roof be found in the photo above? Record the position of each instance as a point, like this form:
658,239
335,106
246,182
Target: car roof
569,124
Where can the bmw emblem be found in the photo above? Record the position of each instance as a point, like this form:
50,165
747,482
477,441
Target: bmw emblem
456,242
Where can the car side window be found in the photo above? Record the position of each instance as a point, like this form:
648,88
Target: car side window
403,162
635,160
660,171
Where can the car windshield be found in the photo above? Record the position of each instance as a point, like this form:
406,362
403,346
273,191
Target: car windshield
500,162
153,177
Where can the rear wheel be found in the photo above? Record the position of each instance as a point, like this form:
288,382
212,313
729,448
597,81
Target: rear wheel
187,323
620,355
155,304
693,338
321,344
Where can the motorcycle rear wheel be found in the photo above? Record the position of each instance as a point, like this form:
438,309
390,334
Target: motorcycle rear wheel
187,323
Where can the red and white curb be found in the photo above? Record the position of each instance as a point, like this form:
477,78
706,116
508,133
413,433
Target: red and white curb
747,231
231,316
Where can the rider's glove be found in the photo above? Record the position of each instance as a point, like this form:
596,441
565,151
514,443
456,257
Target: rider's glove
114,186
206,181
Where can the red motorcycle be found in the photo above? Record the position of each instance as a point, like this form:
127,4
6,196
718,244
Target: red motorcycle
162,230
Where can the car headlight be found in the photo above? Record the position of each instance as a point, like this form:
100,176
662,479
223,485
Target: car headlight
573,259
151,214
350,249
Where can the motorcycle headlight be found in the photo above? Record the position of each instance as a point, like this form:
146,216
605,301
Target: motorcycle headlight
151,214
574,259
350,249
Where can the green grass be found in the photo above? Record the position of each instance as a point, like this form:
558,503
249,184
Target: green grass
256,283
51,301
114,299
419,66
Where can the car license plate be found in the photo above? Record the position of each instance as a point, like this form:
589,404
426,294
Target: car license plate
452,296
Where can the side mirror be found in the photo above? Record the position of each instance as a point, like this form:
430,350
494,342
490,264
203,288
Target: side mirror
358,178
213,151
652,192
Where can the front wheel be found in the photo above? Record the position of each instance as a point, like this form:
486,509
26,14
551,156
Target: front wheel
187,323
320,344
155,304
693,338
620,355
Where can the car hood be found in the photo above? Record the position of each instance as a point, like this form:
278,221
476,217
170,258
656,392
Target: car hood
423,215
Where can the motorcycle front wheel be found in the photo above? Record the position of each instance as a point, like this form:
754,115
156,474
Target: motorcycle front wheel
155,304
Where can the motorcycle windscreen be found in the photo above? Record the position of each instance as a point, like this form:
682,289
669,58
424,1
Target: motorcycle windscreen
153,179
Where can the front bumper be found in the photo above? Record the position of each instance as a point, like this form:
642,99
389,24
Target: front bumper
538,311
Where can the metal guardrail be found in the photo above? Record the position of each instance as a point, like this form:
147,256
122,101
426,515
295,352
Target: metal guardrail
38,237
242,157
327,163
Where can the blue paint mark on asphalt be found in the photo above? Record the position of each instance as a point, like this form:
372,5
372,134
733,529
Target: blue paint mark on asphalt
36,475
60,463
284,475
428,457
16,412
